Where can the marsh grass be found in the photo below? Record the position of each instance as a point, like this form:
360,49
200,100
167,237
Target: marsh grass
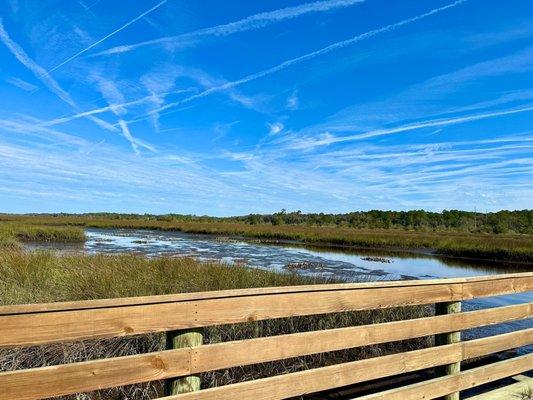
12,233
501,247
39,276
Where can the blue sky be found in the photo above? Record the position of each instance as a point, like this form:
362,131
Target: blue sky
236,107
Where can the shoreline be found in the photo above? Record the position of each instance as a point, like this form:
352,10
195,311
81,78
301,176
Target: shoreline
325,245
498,249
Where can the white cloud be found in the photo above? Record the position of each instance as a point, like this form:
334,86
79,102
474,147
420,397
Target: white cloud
292,101
275,128
111,92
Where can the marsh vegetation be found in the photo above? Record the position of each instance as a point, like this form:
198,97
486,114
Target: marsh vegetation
509,247
43,276
13,234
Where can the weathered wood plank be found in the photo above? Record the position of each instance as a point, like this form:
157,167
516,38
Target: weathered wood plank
55,326
145,300
436,388
38,383
319,379
39,328
119,371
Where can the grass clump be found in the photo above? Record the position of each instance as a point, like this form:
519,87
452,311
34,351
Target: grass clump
40,276
11,234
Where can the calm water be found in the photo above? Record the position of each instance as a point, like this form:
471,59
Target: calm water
348,265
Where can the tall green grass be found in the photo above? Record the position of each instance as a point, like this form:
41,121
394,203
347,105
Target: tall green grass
38,276
44,276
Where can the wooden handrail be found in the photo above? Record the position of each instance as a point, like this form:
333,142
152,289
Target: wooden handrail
37,324
233,293
99,374
318,379
32,328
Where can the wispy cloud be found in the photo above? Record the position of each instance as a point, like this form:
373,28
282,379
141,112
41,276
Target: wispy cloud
37,70
255,21
33,128
293,101
159,84
112,107
309,56
135,143
46,79
106,37
110,91
21,84
87,7
326,139
275,128
205,81
440,95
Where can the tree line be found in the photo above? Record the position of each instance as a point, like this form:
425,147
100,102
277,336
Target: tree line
494,222
504,221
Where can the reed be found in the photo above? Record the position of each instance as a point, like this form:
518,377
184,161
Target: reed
13,233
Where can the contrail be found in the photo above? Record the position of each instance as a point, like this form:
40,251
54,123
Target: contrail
285,64
109,107
108,36
135,143
305,144
251,22
297,60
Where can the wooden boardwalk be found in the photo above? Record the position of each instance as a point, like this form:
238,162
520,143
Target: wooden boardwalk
183,315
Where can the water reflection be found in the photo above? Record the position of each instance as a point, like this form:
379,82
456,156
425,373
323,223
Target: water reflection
346,264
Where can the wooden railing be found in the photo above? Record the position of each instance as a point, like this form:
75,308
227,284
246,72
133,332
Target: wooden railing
184,314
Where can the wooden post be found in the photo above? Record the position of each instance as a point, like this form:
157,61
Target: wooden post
180,339
449,338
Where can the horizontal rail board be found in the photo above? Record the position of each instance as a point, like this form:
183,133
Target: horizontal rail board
56,326
171,298
120,371
439,387
324,378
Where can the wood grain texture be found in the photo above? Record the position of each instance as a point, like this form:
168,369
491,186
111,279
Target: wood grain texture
55,326
436,388
106,373
169,298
